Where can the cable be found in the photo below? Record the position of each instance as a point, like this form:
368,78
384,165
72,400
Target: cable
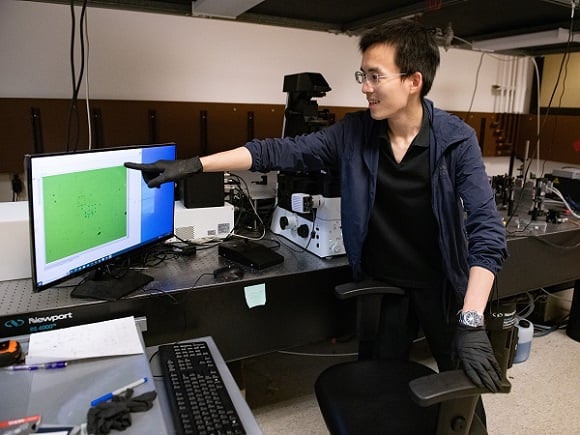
463,40
17,187
159,292
552,295
73,73
475,86
543,330
552,189
286,352
255,212
562,64
542,296
87,103
311,232
73,117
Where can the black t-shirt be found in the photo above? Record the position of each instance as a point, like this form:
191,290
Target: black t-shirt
402,246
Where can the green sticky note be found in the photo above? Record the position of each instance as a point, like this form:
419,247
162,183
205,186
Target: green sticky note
255,295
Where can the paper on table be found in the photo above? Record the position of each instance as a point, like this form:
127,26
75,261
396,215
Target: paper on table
108,338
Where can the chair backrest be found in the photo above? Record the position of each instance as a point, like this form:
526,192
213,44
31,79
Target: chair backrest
369,296
453,397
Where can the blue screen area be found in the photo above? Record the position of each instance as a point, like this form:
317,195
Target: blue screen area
157,211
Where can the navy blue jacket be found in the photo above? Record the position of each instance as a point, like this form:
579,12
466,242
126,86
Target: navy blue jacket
471,230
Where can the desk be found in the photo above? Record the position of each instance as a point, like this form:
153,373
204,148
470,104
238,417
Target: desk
186,301
301,308
541,260
548,259
63,396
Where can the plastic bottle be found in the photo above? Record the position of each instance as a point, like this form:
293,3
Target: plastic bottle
525,335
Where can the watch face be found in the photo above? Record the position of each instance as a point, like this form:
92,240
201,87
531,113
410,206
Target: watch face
471,318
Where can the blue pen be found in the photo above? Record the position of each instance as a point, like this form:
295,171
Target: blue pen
47,366
118,391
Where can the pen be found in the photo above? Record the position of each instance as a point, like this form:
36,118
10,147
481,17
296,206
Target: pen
118,391
48,366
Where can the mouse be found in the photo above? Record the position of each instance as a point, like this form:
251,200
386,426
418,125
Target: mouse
231,272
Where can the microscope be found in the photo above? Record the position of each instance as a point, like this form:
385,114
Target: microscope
308,204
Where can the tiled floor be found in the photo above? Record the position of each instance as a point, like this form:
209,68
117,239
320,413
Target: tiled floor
545,397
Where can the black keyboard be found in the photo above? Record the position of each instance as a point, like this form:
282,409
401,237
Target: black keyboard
198,399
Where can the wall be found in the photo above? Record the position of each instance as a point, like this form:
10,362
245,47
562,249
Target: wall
567,94
144,56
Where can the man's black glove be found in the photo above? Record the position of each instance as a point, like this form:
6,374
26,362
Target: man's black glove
473,349
116,414
163,171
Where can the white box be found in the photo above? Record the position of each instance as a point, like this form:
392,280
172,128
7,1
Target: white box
203,223
572,173
15,241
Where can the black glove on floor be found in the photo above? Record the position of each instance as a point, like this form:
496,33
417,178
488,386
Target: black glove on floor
473,349
116,414
163,171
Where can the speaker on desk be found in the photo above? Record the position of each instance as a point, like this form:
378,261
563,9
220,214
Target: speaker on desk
202,190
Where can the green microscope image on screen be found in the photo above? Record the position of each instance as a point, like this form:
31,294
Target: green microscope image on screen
83,210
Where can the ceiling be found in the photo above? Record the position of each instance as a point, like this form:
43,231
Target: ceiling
471,21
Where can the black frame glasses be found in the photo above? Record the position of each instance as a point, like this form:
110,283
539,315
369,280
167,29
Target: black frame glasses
374,79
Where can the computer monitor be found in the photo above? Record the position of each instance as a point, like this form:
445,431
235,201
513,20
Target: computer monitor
87,210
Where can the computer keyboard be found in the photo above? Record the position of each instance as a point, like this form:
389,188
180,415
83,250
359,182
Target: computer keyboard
198,399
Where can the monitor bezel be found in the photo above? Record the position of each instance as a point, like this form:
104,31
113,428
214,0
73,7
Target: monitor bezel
28,158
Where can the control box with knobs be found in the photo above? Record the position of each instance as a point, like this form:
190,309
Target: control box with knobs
318,231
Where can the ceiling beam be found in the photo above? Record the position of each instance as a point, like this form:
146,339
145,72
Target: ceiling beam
410,11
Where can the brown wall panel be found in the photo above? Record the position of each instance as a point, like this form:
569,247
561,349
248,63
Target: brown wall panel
559,138
268,120
227,126
123,122
179,123
55,115
15,134
128,123
497,133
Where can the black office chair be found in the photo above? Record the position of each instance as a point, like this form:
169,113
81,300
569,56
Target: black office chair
370,396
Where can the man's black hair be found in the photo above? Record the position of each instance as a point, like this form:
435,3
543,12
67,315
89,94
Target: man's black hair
416,49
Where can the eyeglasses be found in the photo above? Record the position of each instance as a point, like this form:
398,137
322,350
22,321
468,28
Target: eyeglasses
374,79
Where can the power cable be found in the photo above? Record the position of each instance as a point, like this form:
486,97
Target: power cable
73,124
87,93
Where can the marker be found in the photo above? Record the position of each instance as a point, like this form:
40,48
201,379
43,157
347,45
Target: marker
30,367
118,391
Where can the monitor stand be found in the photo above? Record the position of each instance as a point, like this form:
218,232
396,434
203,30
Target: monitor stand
103,286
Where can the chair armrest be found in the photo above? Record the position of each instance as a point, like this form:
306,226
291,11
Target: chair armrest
366,287
448,385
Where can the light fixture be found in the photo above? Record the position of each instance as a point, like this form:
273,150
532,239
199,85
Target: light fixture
221,8
539,39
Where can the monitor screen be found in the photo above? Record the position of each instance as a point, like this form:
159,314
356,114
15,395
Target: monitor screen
86,209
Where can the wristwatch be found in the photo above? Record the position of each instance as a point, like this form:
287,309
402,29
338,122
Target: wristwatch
471,318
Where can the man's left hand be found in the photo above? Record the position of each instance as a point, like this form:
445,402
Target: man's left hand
474,350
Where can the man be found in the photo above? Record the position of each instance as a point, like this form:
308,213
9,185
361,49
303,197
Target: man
418,210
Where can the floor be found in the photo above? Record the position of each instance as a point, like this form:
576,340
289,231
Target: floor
545,396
